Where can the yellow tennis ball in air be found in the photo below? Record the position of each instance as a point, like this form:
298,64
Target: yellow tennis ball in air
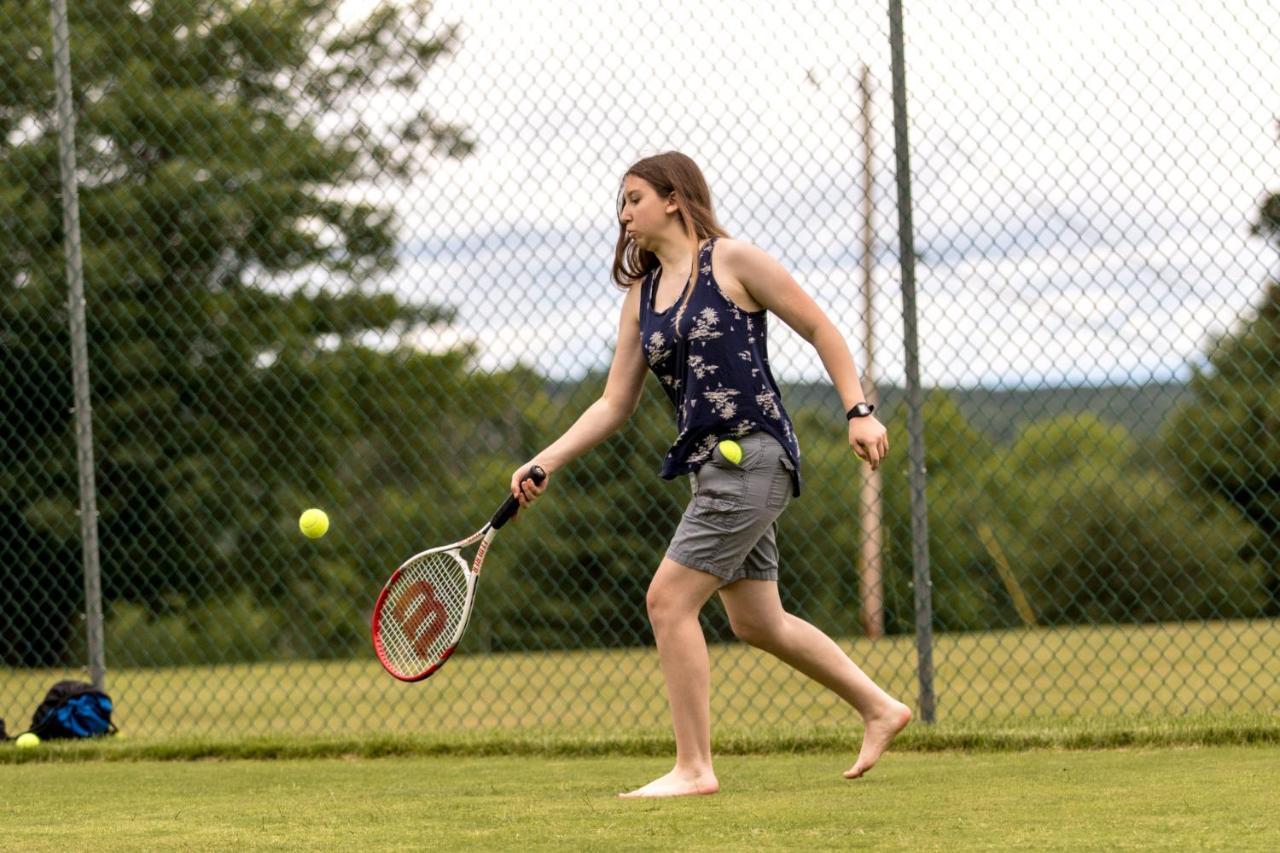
313,523
29,740
731,450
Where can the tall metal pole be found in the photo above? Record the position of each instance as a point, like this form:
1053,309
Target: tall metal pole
79,345
871,586
915,405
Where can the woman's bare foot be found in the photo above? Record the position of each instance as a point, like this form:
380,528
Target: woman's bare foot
677,783
881,729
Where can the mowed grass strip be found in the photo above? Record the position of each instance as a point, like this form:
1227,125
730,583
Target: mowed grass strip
1082,733
1205,798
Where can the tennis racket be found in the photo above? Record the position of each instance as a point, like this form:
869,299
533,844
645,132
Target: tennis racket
423,610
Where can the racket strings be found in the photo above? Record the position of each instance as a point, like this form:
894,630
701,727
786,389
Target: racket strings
423,609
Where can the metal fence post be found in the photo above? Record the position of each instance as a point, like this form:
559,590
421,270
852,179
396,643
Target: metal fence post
79,345
915,420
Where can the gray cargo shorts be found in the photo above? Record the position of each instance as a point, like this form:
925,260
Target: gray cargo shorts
730,527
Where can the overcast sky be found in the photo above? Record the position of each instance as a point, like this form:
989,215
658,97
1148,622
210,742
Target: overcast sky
1084,176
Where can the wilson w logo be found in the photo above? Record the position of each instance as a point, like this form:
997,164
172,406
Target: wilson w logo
421,614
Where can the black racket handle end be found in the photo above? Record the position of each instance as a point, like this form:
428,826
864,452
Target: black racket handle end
511,506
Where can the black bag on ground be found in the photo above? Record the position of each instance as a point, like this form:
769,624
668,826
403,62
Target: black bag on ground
73,709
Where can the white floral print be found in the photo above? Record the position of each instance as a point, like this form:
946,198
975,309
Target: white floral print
656,349
702,452
768,403
700,367
721,400
704,326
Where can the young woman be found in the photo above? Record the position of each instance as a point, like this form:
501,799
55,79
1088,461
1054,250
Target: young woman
695,314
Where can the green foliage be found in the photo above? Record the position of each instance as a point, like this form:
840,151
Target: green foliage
1054,446
1268,224
218,143
1093,534
958,462
1087,531
212,630
1102,543
1226,442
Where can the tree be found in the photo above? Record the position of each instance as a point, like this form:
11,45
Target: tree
1226,441
1096,536
958,459
222,145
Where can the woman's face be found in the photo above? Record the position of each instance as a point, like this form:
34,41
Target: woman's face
644,213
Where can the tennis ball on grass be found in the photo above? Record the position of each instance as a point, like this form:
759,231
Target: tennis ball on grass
313,523
731,450
29,740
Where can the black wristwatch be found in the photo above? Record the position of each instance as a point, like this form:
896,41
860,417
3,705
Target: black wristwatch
861,410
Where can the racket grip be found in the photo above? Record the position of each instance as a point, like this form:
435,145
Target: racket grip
510,506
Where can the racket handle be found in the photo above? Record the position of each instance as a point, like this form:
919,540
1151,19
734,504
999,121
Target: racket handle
510,506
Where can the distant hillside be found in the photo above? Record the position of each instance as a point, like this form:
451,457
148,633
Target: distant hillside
1001,414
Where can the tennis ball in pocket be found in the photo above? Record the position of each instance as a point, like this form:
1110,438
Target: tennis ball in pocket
313,523
30,740
731,450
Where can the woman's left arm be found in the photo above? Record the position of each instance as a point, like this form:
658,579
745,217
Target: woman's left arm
768,283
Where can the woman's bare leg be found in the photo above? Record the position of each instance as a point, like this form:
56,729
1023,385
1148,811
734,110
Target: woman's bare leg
757,617
675,598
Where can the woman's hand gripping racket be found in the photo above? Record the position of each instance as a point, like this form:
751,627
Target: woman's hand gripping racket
423,610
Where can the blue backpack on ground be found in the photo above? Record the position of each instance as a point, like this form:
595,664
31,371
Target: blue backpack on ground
73,709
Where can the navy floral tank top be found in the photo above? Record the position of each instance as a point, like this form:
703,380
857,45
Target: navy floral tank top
712,359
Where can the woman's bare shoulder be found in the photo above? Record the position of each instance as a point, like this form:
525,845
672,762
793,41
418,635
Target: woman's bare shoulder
739,252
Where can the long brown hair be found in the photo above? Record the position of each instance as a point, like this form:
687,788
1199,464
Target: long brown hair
672,174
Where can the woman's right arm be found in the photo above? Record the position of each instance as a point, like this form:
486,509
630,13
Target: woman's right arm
606,415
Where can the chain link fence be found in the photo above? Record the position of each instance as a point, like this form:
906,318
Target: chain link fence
356,256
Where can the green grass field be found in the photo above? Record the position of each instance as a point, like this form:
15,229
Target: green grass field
1017,680
1218,798
1128,737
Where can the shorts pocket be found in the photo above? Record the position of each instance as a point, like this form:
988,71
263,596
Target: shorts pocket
720,488
780,484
